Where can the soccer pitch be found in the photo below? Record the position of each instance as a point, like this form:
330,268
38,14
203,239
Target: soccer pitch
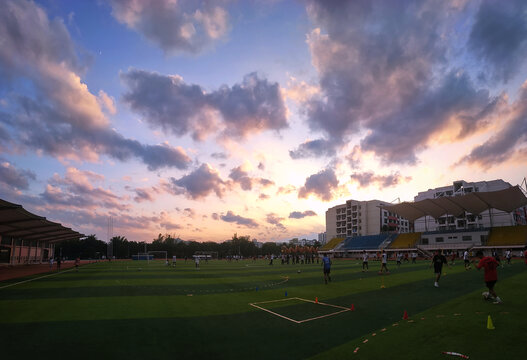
250,310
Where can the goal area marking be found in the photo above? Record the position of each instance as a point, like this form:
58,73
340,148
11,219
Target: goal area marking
343,309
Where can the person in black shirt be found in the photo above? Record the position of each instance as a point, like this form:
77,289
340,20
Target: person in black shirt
438,260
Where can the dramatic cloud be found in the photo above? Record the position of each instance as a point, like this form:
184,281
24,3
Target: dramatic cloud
509,143
321,185
67,120
168,102
76,190
301,214
367,179
13,177
231,218
313,148
499,37
199,183
383,69
175,26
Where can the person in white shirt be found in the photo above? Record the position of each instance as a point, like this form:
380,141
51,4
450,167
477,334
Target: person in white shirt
365,257
384,261
466,260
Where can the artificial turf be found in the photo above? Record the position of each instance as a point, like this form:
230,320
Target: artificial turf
135,309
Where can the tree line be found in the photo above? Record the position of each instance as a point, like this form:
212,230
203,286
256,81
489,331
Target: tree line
122,248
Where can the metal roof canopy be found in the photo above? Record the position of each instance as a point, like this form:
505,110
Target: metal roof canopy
506,200
17,222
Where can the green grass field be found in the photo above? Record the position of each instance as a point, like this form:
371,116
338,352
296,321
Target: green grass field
136,310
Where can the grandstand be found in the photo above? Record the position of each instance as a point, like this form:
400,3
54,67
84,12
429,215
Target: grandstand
507,236
367,242
405,241
332,244
426,242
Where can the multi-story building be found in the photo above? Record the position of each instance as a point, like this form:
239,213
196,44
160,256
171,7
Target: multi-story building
355,218
322,238
492,217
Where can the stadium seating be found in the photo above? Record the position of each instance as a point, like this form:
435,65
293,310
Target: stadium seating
365,242
332,244
405,241
508,235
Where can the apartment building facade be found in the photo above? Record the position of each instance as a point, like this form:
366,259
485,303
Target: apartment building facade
357,218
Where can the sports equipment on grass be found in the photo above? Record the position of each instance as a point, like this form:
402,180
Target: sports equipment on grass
490,325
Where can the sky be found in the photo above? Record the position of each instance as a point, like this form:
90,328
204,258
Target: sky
202,119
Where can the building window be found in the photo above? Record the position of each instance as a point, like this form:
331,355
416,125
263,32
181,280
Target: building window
424,241
467,238
439,239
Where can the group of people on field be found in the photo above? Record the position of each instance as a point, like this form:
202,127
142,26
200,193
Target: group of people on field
489,264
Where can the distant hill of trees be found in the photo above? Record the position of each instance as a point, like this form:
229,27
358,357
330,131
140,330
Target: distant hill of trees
93,248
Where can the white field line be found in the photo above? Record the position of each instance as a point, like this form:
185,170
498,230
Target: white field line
297,298
40,277
272,312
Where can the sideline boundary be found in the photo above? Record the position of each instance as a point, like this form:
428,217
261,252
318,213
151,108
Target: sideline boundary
40,277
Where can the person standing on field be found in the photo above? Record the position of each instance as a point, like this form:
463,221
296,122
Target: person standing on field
437,261
326,263
365,257
384,261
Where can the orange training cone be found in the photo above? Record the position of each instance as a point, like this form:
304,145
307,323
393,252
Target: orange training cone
352,308
316,300
405,315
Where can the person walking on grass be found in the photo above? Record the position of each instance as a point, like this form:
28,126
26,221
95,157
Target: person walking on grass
326,263
490,266
437,261
59,260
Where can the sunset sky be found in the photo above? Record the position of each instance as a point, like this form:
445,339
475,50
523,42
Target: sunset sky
202,119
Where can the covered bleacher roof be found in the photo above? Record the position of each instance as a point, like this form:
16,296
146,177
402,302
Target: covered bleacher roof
17,222
506,200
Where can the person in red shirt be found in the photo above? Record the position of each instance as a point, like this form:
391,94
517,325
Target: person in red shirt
490,265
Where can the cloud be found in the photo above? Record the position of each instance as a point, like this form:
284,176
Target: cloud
107,102
231,218
275,220
498,37
67,120
241,177
175,26
13,177
219,156
301,214
76,190
169,103
215,216
368,178
313,148
321,185
145,194
199,183
508,143
384,72
189,213
287,189
263,196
